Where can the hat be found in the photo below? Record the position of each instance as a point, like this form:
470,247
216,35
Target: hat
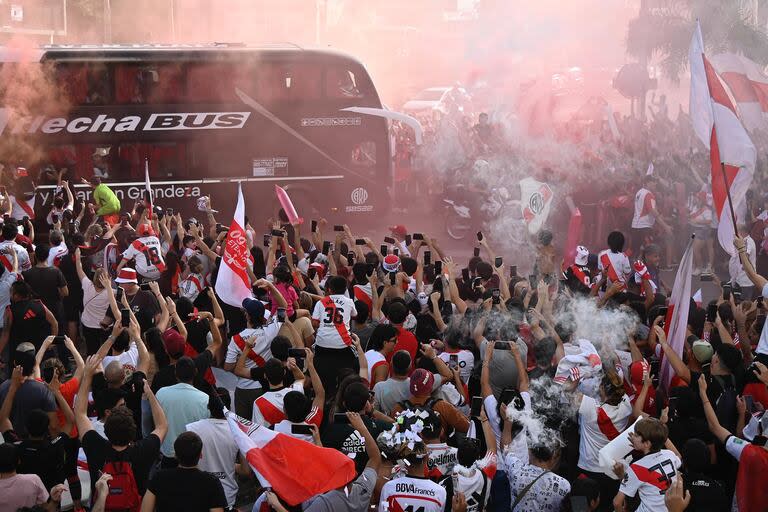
22,348
582,256
254,308
145,230
398,230
102,152
702,351
636,370
319,268
174,343
421,382
127,275
757,426
391,263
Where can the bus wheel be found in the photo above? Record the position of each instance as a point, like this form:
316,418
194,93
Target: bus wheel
457,226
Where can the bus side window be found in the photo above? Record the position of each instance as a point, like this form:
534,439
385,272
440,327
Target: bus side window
341,83
364,154
99,85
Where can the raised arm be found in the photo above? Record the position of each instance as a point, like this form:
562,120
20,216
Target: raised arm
69,417
17,379
522,371
361,359
450,268
84,424
158,415
637,409
218,313
79,265
485,376
758,280
678,365
317,384
79,363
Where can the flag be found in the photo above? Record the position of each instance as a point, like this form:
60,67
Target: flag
697,297
148,190
536,201
717,125
649,172
295,469
749,86
233,284
676,321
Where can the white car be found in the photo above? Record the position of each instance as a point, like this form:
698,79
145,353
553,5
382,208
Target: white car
426,101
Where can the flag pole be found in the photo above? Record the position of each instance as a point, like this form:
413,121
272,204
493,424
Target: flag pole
730,201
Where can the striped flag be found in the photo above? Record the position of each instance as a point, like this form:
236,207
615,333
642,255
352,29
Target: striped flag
716,123
749,86
676,321
232,283
295,469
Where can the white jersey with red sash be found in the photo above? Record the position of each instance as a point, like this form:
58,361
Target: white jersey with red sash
268,409
191,286
599,424
412,494
650,477
334,314
375,359
616,264
21,208
645,204
148,255
258,355
363,293
21,254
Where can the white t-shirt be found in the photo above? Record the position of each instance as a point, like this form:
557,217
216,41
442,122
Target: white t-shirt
219,454
95,304
268,409
6,280
410,493
645,203
736,270
21,254
650,477
56,253
598,424
334,322
546,495
259,354
148,254
519,445
466,362
129,359
191,286
619,262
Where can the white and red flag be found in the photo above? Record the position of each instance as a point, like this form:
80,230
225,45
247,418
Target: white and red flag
147,190
536,201
676,322
748,85
232,283
716,123
295,469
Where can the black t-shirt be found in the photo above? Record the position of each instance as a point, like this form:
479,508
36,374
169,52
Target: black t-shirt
707,494
186,490
683,429
45,282
166,376
141,454
144,305
347,440
44,459
28,323
197,334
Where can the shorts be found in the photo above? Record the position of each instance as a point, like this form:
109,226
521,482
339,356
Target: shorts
702,233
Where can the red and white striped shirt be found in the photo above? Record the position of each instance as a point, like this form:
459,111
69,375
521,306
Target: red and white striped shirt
599,424
645,204
268,409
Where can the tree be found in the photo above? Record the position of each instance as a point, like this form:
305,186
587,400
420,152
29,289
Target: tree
665,31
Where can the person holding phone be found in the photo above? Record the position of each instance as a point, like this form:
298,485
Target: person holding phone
464,359
300,411
268,409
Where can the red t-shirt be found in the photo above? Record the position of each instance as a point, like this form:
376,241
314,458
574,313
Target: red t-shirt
68,391
405,341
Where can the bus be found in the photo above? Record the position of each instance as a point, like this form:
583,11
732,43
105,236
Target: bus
202,118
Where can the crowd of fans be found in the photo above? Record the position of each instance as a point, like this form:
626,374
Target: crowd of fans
450,387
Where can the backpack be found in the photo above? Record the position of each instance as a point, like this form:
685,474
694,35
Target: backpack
725,405
123,491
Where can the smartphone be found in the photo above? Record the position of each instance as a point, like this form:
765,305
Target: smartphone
427,258
476,252
359,241
727,292
314,226
351,258
281,314
513,271
267,239
479,236
707,277
389,240
393,278
384,250
301,429
496,296
533,281
579,504
125,317
219,227
465,275
453,361
340,418
663,312
501,345
55,219
396,252
370,270
58,340
338,228
418,236
749,401
119,294
169,211
408,240
296,353
498,262
144,286
326,247
477,405
438,268
711,313
278,233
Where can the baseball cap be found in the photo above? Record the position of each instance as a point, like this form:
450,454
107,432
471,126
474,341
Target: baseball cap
255,308
174,343
25,347
582,255
145,230
702,351
421,382
391,263
398,230
127,275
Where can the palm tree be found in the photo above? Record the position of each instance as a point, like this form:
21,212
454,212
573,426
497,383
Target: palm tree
665,30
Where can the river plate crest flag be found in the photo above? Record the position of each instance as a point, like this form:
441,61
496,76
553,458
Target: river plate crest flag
536,201
232,283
